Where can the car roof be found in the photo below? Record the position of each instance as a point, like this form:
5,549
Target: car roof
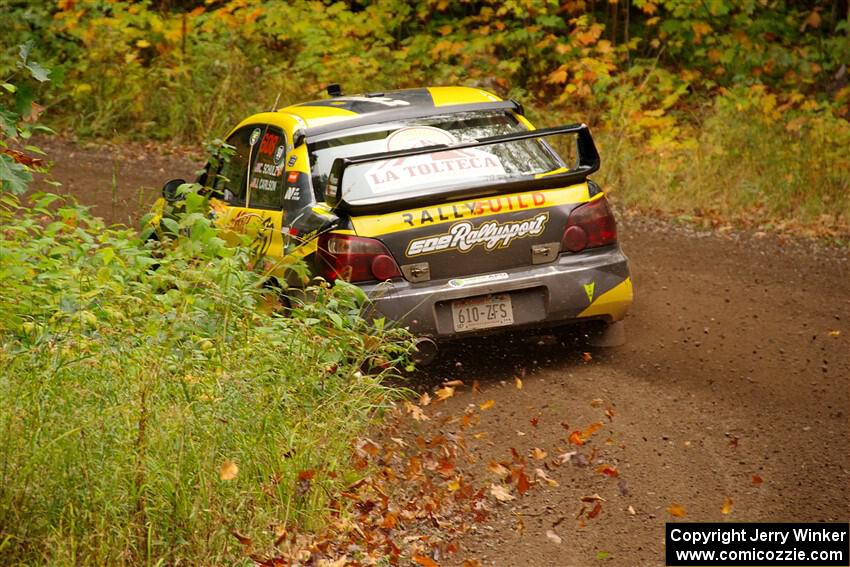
377,105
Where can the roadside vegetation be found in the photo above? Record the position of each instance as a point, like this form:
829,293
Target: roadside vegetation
153,402
714,110
158,404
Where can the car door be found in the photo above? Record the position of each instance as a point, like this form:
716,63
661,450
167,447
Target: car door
252,185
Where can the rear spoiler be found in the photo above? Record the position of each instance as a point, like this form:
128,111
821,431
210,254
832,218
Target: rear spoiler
588,162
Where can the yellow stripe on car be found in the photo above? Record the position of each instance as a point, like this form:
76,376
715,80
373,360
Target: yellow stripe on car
613,302
376,225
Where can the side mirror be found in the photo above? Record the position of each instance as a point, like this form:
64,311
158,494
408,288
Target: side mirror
169,190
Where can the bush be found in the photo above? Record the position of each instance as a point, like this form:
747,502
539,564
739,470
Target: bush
153,401
749,157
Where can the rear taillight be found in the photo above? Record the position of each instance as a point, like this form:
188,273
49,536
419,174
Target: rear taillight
354,259
589,225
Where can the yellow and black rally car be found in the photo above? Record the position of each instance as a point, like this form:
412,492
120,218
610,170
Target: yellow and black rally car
453,213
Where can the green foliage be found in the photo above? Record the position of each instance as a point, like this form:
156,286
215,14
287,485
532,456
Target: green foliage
133,375
751,159
18,121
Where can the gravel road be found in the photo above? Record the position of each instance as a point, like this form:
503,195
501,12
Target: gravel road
734,387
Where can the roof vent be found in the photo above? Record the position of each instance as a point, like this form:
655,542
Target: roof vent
334,89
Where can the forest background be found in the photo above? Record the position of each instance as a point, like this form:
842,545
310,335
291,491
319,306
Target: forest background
712,110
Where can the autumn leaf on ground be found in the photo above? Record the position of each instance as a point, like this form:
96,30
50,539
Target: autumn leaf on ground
591,429
454,384
552,536
424,399
596,402
676,510
389,521
538,453
835,334
545,478
575,438
487,405
602,555
518,383
498,470
415,412
534,421
608,470
500,493
564,458
727,506
424,561
586,356
243,539
757,480
522,483
610,414
445,393
597,509
471,563
228,470
592,498
631,510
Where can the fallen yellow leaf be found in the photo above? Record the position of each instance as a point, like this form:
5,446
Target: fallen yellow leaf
518,383
727,506
228,470
487,405
677,511
445,393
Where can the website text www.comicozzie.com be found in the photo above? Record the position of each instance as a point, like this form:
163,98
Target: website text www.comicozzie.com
757,544
754,554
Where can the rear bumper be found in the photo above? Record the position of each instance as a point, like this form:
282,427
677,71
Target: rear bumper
592,285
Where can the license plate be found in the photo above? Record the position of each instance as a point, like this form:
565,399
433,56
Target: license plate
482,312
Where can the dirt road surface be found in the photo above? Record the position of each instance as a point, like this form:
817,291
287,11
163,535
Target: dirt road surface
733,388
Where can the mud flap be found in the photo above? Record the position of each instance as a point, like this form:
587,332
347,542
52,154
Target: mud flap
612,335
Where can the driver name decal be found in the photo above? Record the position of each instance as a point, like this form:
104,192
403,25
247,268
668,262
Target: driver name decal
464,236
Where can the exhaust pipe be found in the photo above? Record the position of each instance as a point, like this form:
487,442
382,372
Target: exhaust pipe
425,351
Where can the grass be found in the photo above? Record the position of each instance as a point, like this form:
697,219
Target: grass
737,163
128,393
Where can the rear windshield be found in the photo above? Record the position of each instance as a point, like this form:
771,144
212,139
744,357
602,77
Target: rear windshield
399,176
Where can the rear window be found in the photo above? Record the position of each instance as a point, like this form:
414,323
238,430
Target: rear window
497,162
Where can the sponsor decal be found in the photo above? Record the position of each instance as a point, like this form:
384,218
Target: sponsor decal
255,136
463,282
589,288
292,177
464,236
292,193
291,161
446,166
279,154
475,208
